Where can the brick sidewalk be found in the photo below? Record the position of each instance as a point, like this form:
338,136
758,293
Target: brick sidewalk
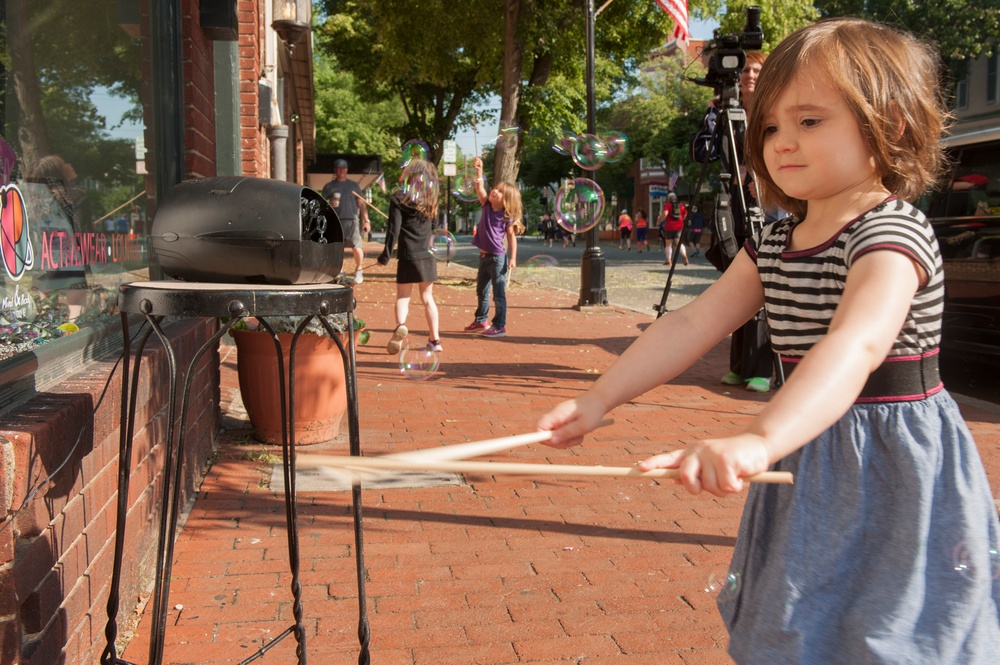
495,570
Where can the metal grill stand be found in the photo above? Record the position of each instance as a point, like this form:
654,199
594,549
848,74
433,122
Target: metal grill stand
156,300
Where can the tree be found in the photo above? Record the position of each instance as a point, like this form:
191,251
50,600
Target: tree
440,79
961,29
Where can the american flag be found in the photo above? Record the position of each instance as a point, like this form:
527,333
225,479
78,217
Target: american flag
673,180
678,10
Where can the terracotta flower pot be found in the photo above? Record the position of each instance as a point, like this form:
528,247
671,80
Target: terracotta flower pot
320,387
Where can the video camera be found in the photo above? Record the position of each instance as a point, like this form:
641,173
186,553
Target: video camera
728,55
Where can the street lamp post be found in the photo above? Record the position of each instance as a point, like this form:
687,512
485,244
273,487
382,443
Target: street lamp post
592,291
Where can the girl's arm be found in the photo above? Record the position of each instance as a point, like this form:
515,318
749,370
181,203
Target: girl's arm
391,231
481,193
512,245
877,297
688,332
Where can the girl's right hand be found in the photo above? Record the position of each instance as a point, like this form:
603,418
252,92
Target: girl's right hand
477,164
717,466
569,421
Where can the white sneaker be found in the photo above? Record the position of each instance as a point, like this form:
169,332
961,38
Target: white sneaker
358,277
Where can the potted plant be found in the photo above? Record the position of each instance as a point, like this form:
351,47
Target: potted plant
320,385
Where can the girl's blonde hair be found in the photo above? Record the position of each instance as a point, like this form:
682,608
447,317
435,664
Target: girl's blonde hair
889,80
512,208
420,187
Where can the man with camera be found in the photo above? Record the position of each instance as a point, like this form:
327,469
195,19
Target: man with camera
737,213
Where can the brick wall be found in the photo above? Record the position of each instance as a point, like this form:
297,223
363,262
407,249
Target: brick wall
59,550
199,95
253,137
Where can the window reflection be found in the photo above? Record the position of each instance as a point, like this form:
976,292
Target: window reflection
73,175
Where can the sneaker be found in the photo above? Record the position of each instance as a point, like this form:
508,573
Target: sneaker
732,379
434,345
493,331
358,277
476,325
396,343
759,384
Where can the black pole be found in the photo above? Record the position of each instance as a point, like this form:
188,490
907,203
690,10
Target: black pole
592,291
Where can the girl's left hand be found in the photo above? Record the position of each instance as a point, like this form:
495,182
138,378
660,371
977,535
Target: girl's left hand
717,466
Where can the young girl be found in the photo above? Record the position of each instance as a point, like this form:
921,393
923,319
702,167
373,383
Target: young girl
500,219
412,211
885,548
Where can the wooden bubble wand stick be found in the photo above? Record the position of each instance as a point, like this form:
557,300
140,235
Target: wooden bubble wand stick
459,451
366,466
369,205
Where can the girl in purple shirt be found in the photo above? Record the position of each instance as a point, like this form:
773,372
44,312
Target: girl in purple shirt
501,212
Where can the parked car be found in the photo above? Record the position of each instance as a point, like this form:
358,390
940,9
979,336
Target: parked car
966,218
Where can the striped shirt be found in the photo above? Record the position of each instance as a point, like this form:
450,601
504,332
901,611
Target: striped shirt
802,288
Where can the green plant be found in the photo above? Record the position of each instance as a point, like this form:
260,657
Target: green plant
289,324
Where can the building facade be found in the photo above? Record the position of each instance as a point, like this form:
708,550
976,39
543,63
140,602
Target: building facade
106,105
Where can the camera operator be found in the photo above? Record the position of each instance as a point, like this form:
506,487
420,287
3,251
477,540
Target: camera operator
750,358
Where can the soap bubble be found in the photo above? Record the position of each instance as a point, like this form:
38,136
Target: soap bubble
962,561
419,186
617,146
539,262
589,152
563,144
418,363
413,149
465,187
508,136
724,587
442,245
579,204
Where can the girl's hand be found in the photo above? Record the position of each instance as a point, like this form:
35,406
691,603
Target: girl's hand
717,466
570,421
477,164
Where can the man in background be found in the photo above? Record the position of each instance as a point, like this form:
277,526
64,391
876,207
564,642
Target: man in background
340,192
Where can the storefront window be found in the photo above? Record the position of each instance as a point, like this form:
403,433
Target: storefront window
75,187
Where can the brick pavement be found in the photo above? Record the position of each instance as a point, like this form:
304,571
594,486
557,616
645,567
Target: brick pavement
496,570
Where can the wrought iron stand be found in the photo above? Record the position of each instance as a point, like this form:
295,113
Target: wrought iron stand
156,300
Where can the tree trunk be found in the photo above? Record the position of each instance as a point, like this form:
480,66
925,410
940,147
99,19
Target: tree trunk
508,150
32,134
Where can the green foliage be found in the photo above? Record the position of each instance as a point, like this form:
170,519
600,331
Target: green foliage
347,123
960,29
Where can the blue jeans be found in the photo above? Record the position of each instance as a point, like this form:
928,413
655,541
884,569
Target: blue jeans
492,271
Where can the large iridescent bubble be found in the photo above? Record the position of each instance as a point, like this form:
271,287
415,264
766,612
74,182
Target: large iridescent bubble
413,149
442,244
563,144
579,205
589,152
465,187
419,187
617,144
508,136
418,363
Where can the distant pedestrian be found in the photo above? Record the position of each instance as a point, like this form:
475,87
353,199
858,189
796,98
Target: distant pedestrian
641,227
884,550
498,221
672,223
412,211
624,231
548,229
696,227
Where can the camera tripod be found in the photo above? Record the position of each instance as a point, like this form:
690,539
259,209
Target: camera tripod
727,139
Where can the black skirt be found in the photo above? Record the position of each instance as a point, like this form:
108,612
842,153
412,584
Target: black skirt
415,271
